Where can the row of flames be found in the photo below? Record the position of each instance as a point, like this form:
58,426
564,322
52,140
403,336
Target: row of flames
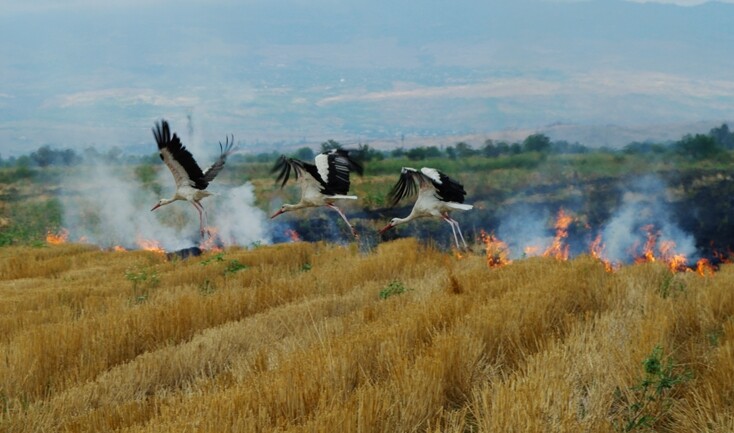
212,242
498,252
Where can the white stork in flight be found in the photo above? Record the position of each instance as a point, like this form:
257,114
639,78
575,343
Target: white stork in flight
191,182
437,196
322,183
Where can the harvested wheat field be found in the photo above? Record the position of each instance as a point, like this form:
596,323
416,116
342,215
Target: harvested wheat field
322,338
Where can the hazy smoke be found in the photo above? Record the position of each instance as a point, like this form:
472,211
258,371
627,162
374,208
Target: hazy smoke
524,227
107,206
239,222
643,210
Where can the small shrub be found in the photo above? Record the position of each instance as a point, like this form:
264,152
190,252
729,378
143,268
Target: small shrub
394,288
216,258
142,281
653,396
234,266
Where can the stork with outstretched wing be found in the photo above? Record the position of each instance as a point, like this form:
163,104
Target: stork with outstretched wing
191,181
322,183
437,193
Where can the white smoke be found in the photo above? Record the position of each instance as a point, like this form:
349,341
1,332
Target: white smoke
643,211
107,206
524,227
236,218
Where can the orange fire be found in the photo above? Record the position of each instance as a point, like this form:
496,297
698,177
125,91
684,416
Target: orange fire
676,262
648,251
558,248
704,267
57,238
596,249
212,241
119,248
293,235
150,245
666,252
498,253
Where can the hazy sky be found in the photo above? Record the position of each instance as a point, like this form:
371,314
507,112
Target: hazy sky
86,73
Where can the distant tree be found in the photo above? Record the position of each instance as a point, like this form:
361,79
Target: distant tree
490,149
515,148
330,145
398,153
304,154
464,150
43,157
451,152
69,157
723,137
698,146
537,143
422,152
367,153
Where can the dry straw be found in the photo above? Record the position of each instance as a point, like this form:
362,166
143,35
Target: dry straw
298,338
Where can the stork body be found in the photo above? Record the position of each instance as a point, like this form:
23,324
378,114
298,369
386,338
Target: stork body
322,183
191,181
438,195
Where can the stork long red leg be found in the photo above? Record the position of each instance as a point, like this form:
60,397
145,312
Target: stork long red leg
201,211
458,229
453,229
354,232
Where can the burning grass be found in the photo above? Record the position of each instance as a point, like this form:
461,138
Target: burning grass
299,338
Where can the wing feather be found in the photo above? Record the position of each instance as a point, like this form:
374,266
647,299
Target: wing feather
224,151
447,189
333,169
406,186
177,158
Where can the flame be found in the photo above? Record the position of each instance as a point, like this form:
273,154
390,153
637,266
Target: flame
150,245
704,267
119,248
596,249
211,242
57,238
558,248
498,252
666,251
293,235
676,262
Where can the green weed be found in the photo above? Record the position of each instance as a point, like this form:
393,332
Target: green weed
394,288
142,281
653,397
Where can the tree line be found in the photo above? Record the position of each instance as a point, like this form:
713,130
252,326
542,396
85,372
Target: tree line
698,146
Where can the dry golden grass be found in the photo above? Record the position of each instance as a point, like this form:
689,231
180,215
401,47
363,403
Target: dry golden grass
301,341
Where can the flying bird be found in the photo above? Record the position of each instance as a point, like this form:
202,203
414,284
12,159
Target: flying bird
437,196
191,181
322,183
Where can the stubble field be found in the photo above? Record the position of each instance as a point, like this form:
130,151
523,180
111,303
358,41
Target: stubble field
324,338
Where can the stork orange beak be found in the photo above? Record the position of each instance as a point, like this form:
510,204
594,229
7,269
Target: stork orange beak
155,207
386,228
280,211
